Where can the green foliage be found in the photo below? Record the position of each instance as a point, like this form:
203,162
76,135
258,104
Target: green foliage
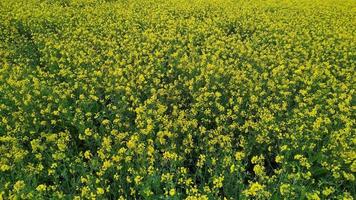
177,99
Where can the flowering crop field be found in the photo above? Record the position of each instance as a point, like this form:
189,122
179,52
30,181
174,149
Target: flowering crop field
177,99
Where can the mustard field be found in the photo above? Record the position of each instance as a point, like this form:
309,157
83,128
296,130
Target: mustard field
178,99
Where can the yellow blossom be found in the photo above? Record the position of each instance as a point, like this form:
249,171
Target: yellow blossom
254,189
172,192
41,188
100,191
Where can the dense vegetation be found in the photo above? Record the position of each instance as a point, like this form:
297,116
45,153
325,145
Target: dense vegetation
177,99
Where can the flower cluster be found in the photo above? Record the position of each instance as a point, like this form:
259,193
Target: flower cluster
177,99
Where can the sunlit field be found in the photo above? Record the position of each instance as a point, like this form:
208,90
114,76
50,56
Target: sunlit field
177,99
